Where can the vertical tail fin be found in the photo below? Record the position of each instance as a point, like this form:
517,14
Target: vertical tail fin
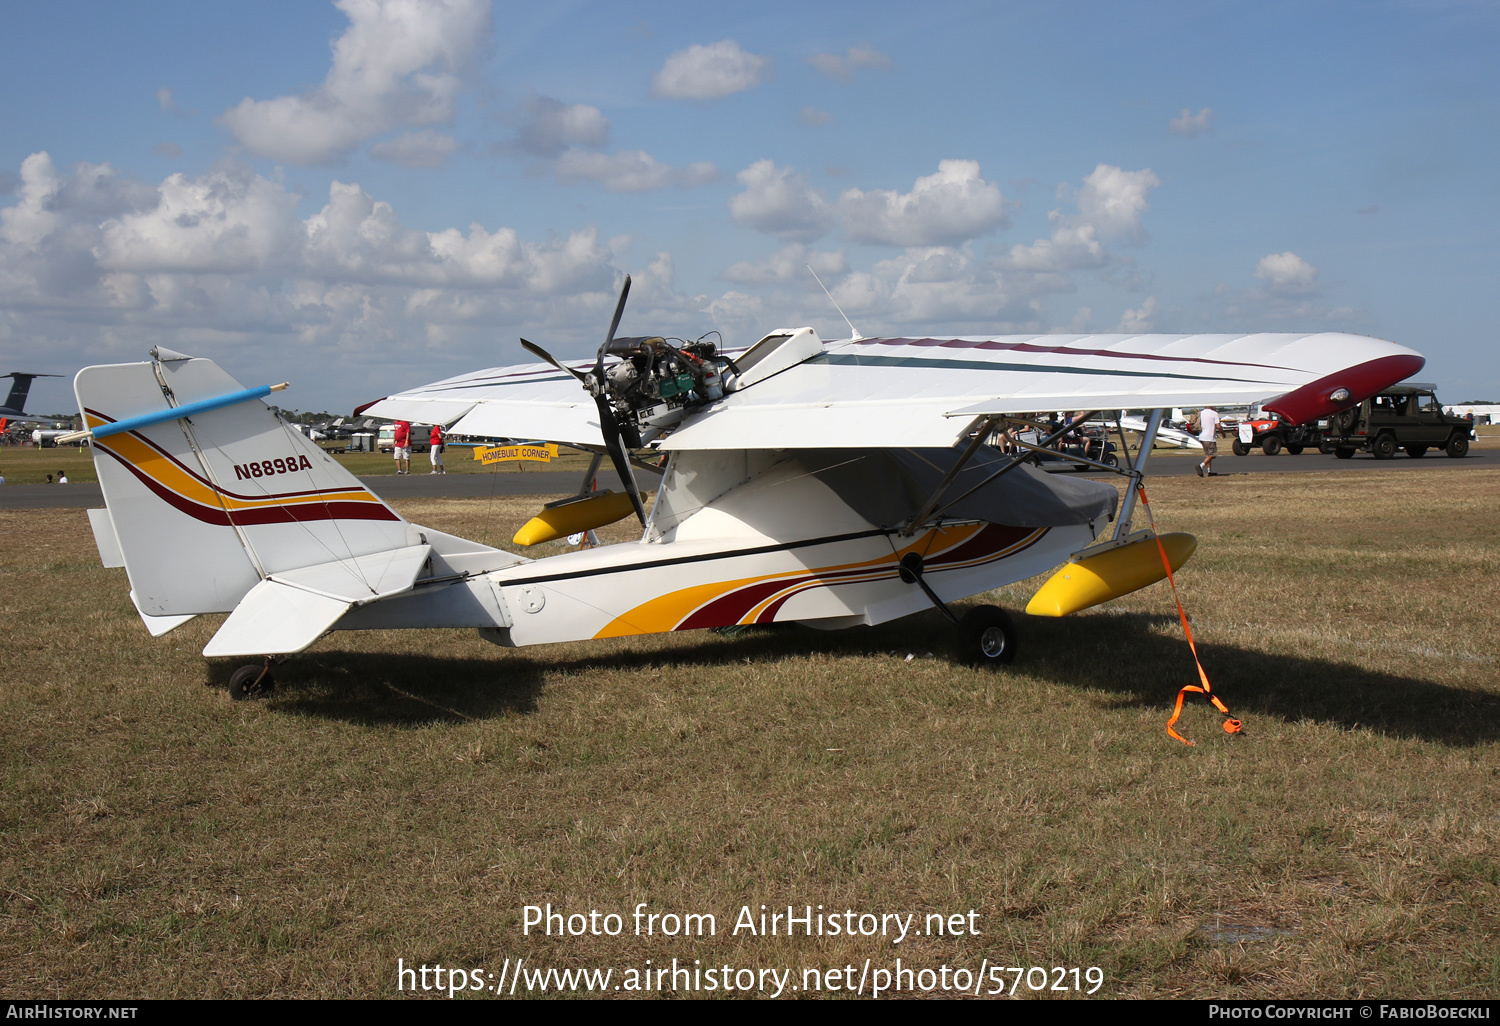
20,388
206,507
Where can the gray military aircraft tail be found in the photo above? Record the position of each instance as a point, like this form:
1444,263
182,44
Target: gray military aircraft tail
16,401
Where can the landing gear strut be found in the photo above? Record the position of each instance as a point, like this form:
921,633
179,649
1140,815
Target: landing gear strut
251,682
986,635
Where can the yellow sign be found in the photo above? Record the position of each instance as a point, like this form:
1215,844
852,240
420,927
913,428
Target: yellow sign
505,453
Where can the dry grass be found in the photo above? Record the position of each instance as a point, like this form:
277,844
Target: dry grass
405,794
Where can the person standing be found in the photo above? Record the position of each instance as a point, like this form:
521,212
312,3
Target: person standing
62,477
1208,431
436,452
401,444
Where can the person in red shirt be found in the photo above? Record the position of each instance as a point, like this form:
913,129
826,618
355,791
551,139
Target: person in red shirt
401,443
436,452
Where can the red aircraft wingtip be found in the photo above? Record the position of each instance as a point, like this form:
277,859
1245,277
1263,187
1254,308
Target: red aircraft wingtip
1351,385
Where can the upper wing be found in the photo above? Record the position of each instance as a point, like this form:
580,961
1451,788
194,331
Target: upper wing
531,401
925,392
920,392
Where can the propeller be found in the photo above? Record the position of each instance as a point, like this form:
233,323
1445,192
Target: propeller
536,350
609,424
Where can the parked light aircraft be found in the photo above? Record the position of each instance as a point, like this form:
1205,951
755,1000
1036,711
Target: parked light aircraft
826,483
1169,436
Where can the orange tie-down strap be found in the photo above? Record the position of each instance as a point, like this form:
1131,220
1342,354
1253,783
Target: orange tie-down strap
1231,725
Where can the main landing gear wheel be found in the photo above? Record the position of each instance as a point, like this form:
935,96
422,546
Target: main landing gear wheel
1293,450
250,682
987,637
1343,452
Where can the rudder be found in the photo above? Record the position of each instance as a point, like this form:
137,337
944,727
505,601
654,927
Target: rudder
207,506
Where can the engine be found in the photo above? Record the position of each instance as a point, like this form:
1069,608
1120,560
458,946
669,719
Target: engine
656,382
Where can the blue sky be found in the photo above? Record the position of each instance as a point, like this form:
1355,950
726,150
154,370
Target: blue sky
369,195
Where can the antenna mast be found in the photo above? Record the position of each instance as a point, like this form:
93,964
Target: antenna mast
854,335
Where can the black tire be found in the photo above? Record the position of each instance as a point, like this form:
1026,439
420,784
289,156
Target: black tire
1457,447
1416,452
1294,450
1272,445
1239,448
250,682
1111,460
987,637
1343,452
1384,447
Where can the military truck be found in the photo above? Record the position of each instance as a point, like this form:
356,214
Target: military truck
1406,416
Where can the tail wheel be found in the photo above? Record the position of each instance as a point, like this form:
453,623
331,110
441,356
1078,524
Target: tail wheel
251,682
1294,450
987,637
1343,452
1416,451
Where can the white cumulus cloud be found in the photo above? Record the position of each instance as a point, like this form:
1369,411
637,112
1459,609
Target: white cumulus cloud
1112,200
1190,124
1139,319
943,209
228,220
397,65
780,202
552,126
857,57
1287,274
1109,204
709,72
789,264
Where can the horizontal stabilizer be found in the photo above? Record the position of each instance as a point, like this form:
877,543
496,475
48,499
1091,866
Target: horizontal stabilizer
105,539
360,579
273,619
159,625
292,609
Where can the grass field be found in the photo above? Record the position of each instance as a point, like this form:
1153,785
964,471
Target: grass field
405,795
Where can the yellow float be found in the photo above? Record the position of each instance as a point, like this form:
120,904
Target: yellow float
575,515
1109,574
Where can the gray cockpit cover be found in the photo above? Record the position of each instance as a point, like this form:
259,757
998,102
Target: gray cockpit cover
888,486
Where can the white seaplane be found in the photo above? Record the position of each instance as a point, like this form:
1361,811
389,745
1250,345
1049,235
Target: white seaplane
829,483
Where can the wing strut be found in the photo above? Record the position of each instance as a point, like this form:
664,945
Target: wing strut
929,512
980,435
1137,470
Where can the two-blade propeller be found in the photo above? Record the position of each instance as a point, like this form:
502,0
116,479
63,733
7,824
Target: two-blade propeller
609,424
